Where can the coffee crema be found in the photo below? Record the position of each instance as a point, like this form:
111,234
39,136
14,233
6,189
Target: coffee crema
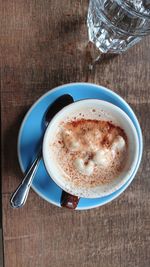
90,152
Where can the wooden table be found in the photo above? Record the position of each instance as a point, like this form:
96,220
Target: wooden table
43,45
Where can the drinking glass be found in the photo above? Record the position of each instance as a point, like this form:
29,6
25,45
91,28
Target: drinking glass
116,25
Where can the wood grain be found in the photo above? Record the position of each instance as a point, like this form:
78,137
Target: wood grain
43,44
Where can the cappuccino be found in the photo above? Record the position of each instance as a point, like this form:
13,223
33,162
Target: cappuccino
89,150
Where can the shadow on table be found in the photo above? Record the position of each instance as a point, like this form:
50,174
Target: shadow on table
10,146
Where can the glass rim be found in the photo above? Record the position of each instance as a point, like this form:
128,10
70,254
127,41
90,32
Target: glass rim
138,32
135,12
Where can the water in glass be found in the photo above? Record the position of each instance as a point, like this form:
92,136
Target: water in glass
116,25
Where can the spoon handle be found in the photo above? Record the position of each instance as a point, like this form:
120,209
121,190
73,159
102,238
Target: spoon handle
19,197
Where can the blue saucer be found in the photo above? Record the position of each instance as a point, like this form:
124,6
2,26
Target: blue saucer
31,133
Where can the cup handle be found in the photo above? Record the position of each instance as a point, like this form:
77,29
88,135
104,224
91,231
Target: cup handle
69,201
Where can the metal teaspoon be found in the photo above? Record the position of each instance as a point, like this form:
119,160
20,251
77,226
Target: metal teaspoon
20,195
